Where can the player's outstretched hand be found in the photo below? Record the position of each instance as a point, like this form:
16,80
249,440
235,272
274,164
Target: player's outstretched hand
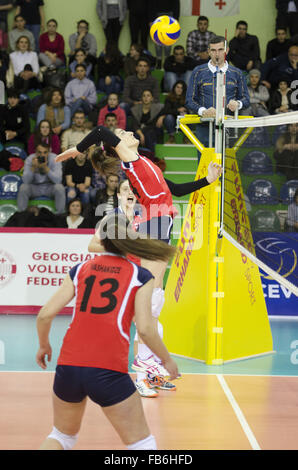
214,172
69,153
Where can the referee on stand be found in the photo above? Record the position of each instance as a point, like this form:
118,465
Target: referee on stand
201,90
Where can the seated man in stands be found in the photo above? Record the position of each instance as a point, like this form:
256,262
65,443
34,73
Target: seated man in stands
42,177
178,66
134,85
14,119
78,174
279,45
80,93
71,137
284,66
106,199
244,49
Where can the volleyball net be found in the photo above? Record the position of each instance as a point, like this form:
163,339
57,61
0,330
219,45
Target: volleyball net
259,210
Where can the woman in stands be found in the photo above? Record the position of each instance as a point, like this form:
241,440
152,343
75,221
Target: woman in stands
24,66
93,362
44,134
55,111
174,106
51,47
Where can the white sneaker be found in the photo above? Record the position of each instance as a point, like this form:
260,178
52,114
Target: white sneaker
145,390
150,366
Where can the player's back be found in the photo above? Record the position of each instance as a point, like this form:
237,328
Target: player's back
98,335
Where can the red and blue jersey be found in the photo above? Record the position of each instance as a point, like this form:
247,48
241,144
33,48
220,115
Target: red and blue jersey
149,187
99,334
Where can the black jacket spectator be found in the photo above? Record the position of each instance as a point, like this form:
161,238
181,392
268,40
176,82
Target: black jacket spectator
278,45
171,65
242,50
282,67
285,19
16,119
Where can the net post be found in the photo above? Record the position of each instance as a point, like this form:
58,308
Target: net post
215,280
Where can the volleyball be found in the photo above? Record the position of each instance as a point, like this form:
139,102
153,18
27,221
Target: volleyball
165,30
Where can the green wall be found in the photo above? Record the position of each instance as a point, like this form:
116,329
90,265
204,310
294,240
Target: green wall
260,15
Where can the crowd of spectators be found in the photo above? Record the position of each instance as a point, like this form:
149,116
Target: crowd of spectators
93,85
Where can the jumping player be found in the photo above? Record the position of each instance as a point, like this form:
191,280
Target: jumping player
153,194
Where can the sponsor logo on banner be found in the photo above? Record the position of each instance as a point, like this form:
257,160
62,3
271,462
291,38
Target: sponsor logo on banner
8,268
279,252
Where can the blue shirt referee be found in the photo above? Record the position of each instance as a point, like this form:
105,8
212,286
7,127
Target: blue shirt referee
201,90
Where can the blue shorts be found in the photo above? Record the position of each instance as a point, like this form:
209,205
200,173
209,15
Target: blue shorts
103,386
159,228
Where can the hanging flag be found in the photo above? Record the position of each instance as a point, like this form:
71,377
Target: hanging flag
210,8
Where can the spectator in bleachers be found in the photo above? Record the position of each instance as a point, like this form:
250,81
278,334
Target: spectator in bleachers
80,57
177,66
5,7
4,64
198,40
109,68
112,106
18,31
139,21
286,153
130,61
42,176
23,67
134,85
279,45
71,137
78,173
33,216
281,101
14,119
131,58
258,94
111,14
74,217
82,39
106,199
145,121
287,15
291,224
111,122
51,46
55,111
156,9
33,12
244,49
44,134
282,67
80,93
174,106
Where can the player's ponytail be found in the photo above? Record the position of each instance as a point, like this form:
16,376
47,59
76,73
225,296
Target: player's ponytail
118,238
105,161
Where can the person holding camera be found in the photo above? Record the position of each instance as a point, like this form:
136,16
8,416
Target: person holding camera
42,177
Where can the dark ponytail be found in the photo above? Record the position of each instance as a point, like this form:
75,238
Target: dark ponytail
117,237
105,161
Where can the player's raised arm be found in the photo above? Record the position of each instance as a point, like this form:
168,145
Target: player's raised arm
97,136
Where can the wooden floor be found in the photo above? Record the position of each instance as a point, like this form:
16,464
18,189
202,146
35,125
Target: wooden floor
207,412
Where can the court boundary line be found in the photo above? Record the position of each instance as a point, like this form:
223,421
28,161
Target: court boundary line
238,412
